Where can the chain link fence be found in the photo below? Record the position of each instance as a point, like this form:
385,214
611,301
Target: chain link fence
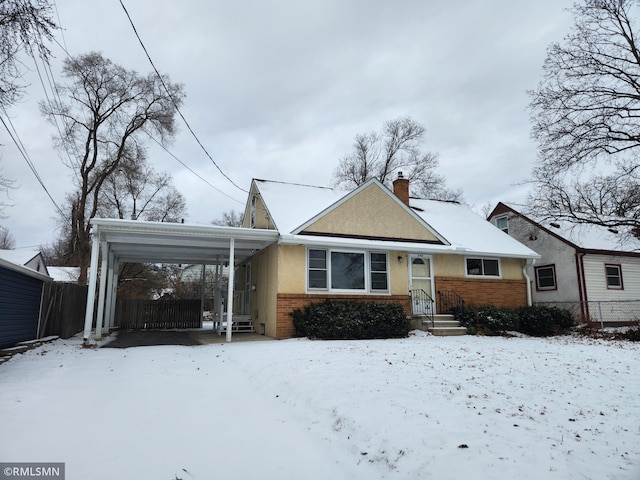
606,313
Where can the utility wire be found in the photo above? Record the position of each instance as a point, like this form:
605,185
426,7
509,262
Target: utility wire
16,140
175,104
57,98
192,171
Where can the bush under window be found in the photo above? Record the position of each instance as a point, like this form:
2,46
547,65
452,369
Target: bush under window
334,320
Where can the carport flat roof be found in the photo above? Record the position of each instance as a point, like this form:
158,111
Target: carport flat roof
157,242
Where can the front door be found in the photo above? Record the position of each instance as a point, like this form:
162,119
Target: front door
421,284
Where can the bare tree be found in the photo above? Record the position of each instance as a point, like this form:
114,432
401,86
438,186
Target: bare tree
5,186
107,115
230,219
7,242
25,26
585,118
397,148
135,190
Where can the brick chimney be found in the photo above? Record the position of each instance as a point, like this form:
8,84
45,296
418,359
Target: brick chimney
401,188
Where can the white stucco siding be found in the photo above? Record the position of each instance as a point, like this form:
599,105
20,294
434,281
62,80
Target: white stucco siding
553,252
596,280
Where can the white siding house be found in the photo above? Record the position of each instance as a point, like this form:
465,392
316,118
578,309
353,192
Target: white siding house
586,267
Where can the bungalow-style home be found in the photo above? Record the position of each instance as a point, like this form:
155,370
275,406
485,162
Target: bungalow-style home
588,268
373,244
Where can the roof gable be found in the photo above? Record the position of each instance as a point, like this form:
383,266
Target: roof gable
370,211
32,259
308,214
579,236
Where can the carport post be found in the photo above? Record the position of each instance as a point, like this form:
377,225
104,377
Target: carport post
108,305
230,288
114,292
91,293
103,288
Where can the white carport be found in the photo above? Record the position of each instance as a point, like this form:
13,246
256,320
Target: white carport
121,241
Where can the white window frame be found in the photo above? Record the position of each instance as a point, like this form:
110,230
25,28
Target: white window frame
505,218
386,254
367,272
619,276
482,275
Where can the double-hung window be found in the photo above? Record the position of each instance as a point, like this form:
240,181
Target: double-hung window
379,272
483,267
317,269
546,277
614,276
347,271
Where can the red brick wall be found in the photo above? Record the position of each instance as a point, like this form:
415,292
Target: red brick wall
481,292
287,302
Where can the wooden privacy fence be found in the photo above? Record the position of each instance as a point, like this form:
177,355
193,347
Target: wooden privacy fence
63,309
161,314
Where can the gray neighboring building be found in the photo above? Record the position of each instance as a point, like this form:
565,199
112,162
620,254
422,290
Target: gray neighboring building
586,266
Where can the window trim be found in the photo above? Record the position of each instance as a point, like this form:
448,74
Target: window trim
368,289
555,279
325,270
482,275
606,276
386,271
502,217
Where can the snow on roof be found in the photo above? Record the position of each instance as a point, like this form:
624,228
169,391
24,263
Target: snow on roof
593,237
291,205
64,274
588,236
467,230
19,257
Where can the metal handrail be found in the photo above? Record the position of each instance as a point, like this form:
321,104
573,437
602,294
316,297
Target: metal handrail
448,300
422,304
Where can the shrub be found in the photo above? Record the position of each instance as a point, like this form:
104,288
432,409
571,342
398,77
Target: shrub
333,320
488,320
542,321
539,321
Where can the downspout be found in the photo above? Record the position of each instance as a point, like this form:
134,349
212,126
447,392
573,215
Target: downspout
528,279
582,287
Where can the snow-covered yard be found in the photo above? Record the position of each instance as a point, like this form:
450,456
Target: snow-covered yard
421,407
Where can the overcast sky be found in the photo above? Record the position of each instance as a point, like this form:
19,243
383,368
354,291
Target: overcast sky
278,89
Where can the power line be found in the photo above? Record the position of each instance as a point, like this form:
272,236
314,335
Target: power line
175,104
192,171
16,140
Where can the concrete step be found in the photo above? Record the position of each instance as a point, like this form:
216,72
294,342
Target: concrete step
443,325
448,331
